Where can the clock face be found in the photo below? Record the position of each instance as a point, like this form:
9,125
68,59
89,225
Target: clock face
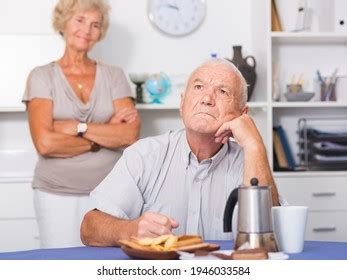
177,17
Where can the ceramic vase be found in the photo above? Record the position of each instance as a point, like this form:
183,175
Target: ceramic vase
247,67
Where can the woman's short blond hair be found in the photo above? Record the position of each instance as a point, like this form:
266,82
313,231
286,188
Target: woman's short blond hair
65,9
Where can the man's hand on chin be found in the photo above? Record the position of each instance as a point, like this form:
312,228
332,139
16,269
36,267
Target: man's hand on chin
243,130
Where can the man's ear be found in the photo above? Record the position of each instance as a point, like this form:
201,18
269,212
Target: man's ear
245,110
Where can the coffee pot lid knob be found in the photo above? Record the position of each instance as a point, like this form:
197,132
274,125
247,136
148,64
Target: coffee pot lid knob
254,182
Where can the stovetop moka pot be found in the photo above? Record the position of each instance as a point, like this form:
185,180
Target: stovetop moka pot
254,223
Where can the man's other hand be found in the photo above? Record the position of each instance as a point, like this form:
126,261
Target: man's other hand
152,224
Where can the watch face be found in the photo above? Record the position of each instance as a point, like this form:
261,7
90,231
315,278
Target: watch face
176,17
82,128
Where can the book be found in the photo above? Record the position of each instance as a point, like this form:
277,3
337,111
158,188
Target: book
279,151
275,20
286,147
275,161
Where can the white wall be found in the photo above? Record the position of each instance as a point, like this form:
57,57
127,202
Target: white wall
132,42
136,45
27,40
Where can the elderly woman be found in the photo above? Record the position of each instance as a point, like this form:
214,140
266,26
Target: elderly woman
80,115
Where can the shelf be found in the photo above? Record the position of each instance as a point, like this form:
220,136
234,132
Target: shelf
260,105
12,180
326,104
12,109
157,107
307,37
292,174
140,107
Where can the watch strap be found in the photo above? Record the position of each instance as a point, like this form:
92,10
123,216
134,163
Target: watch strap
95,147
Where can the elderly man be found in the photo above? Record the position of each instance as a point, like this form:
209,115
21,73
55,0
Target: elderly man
179,182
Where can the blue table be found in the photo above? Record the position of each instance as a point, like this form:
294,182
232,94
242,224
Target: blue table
313,250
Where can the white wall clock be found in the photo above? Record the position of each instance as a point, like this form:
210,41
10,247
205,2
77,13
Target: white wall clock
176,17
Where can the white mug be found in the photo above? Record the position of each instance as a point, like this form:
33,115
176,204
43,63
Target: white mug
234,220
289,224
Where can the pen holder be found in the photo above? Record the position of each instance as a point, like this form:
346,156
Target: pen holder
327,92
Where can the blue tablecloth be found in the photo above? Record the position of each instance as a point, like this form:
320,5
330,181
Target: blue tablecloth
313,250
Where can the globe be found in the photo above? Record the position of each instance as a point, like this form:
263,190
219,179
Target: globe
158,86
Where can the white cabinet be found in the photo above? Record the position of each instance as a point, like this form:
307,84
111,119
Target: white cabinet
326,198
318,192
19,235
327,226
16,199
18,227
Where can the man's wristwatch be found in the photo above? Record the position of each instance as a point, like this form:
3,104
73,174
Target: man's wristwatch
81,129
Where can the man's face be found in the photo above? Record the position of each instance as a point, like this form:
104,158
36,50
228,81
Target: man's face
212,97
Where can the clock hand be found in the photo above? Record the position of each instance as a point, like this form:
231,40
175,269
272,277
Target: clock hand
173,7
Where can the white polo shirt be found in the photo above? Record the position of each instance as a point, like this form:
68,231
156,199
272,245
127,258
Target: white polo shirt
161,174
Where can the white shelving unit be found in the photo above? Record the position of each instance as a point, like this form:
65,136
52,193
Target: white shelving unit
307,37
316,174
297,54
328,104
156,107
251,105
141,107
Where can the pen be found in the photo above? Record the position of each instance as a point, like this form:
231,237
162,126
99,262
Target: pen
320,78
331,85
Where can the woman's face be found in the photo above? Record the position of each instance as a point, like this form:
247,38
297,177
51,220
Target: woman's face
83,30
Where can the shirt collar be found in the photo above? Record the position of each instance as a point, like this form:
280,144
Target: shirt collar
217,158
187,153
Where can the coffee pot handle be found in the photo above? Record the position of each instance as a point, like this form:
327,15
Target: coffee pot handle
229,210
